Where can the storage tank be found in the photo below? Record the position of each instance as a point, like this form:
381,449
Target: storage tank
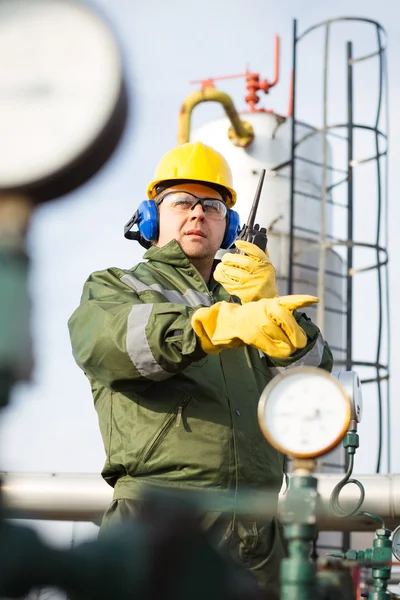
271,150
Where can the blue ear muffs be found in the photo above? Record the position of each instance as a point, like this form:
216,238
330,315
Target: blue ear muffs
146,219
232,229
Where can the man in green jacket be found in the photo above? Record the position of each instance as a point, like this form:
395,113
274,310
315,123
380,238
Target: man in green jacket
177,366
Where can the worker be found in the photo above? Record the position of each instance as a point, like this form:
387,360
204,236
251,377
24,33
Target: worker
177,362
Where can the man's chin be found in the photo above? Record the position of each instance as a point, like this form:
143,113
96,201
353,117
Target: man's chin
194,249
196,253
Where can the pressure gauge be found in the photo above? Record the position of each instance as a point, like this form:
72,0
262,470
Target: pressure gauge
350,382
62,96
396,543
304,412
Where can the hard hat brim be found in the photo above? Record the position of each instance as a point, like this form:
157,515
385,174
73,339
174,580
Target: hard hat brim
228,194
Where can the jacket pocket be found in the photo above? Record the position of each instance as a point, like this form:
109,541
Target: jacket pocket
172,419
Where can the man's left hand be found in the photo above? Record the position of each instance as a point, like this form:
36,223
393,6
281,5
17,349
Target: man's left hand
250,276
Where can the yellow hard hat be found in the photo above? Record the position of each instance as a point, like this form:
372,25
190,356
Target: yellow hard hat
194,161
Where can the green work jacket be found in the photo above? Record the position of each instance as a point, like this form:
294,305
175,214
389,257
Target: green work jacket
170,414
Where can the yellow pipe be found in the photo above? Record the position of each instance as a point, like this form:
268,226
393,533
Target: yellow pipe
240,133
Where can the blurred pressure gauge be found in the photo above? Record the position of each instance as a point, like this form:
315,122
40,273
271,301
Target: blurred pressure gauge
304,412
62,95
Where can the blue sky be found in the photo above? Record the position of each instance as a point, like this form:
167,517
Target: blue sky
51,425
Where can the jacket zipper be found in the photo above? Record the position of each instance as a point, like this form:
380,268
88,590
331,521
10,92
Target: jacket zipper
173,417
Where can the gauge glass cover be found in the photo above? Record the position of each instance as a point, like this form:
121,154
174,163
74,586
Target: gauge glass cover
304,414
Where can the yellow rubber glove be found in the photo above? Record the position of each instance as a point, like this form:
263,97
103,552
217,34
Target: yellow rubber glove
267,324
250,276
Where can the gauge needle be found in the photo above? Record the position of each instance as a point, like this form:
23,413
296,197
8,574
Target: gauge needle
312,415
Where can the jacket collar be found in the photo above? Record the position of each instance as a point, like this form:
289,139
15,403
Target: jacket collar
171,254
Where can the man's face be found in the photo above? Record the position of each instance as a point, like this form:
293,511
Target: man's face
198,235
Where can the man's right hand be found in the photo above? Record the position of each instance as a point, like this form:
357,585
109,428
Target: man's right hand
267,324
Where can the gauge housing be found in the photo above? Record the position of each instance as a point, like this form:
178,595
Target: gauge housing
396,543
304,412
63,101
351,384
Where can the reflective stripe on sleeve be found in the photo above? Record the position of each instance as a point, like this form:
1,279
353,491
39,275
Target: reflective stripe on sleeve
313,358
138,347
190,297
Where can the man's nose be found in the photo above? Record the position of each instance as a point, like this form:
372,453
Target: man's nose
197,212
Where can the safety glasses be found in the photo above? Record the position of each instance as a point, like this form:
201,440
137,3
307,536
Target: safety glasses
184,202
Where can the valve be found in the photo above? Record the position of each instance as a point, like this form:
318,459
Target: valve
378,558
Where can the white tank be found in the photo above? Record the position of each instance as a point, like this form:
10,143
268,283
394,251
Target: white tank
272,147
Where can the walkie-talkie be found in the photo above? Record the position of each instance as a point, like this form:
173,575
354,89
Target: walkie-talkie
251,232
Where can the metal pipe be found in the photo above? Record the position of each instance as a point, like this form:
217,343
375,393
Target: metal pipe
292,162
83,497
349,293
276,73
240,133
56,496
320,321
349,290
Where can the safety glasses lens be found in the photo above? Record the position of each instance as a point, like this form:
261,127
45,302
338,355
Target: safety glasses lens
213,208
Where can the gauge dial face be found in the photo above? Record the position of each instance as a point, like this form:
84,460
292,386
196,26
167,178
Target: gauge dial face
304,413
396,543
60,78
